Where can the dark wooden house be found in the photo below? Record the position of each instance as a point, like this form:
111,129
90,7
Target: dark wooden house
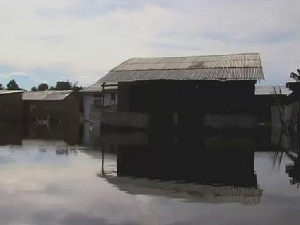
55,105
187,92
11,105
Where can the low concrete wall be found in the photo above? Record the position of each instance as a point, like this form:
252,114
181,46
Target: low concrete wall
221,121
125,119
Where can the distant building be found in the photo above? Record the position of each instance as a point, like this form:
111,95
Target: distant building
186,92
95,98
11,105
57,105
265,97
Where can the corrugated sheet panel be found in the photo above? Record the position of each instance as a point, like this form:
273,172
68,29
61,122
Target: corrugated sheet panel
218,67
4,92
196,74
97,87
46,95
192,62
267,90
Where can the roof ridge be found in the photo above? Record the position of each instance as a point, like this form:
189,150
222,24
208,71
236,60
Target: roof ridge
190,56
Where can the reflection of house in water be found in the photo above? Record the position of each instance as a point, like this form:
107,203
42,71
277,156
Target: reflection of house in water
91,134
49,146
58,105
11,133
14,133
187,92
11,105
67,131
215,168
293,170
187,191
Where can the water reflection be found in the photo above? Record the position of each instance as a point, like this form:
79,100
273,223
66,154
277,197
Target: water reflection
293,170
13,133
211,178
215,168
91,134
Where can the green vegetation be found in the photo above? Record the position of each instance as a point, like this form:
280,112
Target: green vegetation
34,89
289,122
43,87
12,85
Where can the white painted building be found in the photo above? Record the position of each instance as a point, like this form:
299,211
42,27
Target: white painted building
95,98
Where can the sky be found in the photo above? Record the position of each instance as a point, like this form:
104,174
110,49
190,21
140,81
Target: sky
81,40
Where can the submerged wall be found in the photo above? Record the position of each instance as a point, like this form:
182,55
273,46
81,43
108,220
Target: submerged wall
11,107
185,104
125,119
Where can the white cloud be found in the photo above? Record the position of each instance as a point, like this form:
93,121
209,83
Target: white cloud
86,39
8,75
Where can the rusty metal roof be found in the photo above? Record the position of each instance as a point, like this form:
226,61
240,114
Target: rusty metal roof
46,95
97,87
268,90
245,66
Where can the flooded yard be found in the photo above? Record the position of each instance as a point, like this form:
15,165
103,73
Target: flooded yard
46,181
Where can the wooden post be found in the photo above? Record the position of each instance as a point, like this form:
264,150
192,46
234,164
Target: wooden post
102,152
101,108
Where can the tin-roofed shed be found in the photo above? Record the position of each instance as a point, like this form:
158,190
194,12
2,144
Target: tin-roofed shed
189,91
58,105
11,105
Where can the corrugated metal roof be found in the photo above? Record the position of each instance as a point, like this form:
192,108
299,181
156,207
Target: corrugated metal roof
218,67
46,95
97,87
267,90
4,92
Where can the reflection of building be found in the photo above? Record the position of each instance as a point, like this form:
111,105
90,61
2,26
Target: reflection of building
186,91
58,105
215,167
206,166
67,131
95,98
11,105
293,170
91,134
11,133
187,191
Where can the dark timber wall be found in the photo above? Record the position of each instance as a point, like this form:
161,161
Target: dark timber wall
64,110
11,107
185,103
207,96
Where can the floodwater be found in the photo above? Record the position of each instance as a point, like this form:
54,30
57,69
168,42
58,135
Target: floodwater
49,178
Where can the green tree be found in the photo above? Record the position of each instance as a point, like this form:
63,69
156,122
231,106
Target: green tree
12,85
43,87
34,88
1,87
63,85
